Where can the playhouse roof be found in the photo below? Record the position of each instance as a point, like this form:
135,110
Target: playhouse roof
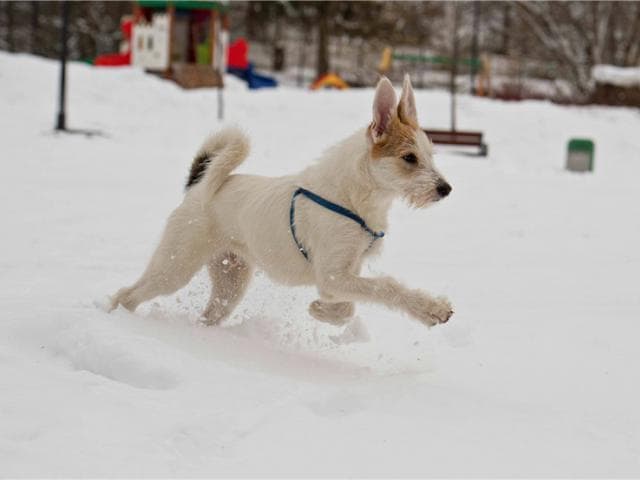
184,4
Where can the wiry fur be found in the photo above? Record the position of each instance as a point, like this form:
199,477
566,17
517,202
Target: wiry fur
229,147
235,223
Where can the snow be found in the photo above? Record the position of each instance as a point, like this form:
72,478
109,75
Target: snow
536,374
618,76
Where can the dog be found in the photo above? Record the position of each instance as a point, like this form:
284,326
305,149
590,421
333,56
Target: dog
314,228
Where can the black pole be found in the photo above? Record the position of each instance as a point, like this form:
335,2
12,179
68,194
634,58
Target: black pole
220,103
10,37
302,57
62,122
454,66
35,13
219,60
474,45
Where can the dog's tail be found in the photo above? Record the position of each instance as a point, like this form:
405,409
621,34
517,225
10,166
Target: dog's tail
220,154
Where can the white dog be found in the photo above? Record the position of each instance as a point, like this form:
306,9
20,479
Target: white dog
301,229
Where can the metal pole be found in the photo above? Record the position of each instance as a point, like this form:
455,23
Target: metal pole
10,37
35,12
474,45
219,63
301,58
220,104
62,123
454,66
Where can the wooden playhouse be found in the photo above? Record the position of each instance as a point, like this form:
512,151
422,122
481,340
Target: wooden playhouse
184,41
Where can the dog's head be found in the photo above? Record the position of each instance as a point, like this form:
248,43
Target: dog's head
401,154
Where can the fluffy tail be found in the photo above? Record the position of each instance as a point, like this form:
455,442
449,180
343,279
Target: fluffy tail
220,154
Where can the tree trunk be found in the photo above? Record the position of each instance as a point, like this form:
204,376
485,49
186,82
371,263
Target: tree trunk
474,46
506,27
323,39
455,20
249,21
278,61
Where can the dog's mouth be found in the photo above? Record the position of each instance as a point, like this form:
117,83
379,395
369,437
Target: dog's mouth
422,200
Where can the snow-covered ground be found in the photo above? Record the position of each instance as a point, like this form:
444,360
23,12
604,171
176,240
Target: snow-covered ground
536,374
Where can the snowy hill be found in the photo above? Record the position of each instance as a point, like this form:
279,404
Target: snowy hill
535,375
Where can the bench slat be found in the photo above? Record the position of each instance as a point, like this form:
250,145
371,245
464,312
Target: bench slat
460,137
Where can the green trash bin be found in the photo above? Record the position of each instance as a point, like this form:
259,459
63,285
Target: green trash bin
580,155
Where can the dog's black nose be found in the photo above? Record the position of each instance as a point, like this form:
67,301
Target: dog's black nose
443,189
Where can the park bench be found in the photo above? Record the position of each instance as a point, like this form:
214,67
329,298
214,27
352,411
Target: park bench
459,137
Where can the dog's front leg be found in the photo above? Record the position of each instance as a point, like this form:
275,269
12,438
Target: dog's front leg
333,313
343,286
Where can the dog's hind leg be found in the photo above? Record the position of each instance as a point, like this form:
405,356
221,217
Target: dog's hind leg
334,313
183,250
230,277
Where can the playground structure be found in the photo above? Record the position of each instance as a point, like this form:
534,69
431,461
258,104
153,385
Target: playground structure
124,56
238,64
150,43
479,67
330,80
452,136
183,41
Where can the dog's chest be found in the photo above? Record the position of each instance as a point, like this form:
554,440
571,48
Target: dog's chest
374,247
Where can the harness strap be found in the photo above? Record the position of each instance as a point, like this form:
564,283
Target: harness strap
334,207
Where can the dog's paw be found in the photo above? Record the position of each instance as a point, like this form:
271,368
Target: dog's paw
333,313
216,312
430,311
105,304
442,310
123,297
111,303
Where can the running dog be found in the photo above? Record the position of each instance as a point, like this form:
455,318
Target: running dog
314,228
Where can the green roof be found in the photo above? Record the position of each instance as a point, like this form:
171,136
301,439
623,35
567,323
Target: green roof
183,4
437,59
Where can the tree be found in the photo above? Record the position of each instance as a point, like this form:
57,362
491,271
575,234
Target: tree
579,35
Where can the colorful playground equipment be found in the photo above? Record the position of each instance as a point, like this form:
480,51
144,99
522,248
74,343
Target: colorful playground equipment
452,136
238,64
124,56
183,41
329,80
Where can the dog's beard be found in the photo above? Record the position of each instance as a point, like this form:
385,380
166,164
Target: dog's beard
421,194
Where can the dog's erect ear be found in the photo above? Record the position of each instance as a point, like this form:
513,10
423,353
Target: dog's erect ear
384,105
407,106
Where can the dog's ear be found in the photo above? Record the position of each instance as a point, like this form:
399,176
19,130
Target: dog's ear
407,107
384,105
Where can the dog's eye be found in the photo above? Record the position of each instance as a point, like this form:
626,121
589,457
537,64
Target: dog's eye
410,158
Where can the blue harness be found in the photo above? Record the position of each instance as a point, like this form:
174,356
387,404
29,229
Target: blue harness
334,207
